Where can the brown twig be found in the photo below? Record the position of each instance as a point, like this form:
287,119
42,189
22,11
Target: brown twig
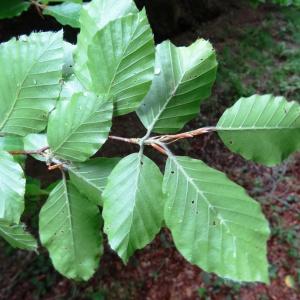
39,7
171,138
159,148
56,166
126,140
37,4
154,142
24,152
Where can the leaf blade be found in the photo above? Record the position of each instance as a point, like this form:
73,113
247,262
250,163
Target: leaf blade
214,223
92,176
66,13
94,16
265,129
29,81
121,61
12,188
84,123
183,78
11,143
132,213
35,141
12,8
17,237
69,227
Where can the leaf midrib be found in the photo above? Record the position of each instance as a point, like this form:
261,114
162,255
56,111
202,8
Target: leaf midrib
69,217
172,93
85,179
124,52
191,181
138,167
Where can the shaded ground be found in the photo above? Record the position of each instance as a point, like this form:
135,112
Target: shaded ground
258,51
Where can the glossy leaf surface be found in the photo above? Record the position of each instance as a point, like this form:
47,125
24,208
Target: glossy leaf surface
79,127
69,228
132,204
12,189
30,71
94,16
35,141
70,87
121,61
214,223
10,143
68,60
265,129
66,13
183,79
91,176
17,236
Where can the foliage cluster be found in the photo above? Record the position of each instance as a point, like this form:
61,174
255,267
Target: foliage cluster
57,104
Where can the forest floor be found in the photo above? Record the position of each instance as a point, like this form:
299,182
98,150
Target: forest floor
258,52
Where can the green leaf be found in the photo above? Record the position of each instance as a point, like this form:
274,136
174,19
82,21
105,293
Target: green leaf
12,189
94,16
133,204
70,87
183,79
33,188
121,61
265,129
69,228
30,70
68,60
65,13
214,223
35,141
13,143
51,187
12,8
91,176
17,237
79,127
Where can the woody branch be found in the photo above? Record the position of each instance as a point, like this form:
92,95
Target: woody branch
155,141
